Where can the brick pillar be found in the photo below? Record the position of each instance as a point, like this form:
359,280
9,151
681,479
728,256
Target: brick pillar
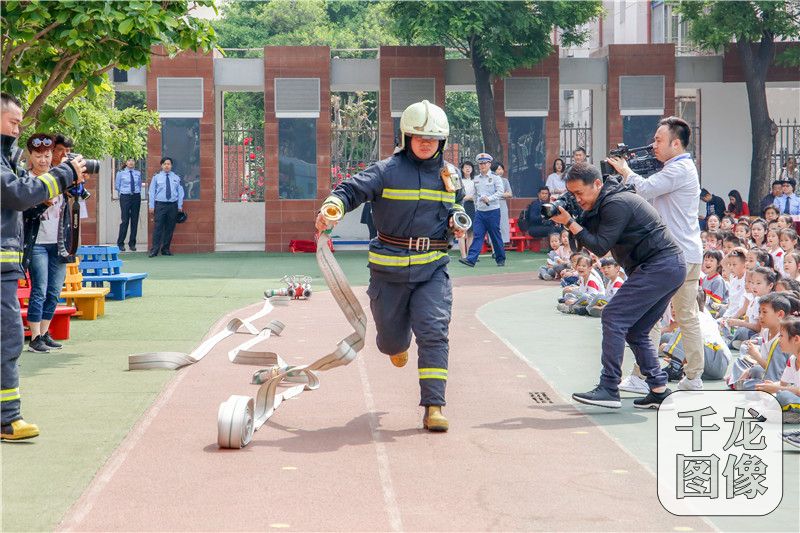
405,62
197,233
547,68
636,60
294,219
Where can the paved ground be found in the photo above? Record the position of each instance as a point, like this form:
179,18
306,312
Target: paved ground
351,455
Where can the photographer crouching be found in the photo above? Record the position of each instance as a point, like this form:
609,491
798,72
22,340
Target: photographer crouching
614,218
18,193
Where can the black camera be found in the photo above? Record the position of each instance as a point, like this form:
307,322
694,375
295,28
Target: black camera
567,201
643,165
92,167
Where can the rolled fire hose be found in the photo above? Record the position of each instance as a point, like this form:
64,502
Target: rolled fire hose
240,416
175,360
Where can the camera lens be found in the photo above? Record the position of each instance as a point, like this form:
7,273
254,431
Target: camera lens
92,166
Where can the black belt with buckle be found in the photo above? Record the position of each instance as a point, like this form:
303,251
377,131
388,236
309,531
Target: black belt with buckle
419,244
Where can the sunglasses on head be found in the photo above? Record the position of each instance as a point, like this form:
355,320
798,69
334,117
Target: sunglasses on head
36,143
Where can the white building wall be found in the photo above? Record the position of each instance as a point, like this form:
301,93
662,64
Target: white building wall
725,128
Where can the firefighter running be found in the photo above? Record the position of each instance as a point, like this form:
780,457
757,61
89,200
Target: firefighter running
414,195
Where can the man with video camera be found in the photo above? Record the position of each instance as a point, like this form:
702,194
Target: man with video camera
615,219
674,191
18,193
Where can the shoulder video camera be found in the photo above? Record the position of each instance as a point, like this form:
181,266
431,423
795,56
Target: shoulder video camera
643,165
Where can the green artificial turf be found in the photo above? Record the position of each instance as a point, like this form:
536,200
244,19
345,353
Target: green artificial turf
84,399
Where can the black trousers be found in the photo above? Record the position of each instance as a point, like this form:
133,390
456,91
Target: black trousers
539,231
166,215
129,206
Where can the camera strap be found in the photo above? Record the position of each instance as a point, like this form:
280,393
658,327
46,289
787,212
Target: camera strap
74,226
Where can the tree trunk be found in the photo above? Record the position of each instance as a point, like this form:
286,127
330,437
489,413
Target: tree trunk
755,62
483,87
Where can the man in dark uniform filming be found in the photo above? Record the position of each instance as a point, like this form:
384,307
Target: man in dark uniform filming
19,192
414,195
616,219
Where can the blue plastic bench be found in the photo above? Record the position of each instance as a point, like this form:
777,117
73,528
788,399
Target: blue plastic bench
100,264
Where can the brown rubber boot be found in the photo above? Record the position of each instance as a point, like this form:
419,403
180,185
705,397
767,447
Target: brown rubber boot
399,359
434,420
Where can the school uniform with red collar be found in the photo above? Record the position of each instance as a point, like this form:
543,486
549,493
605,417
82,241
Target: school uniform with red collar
777,258
716,291
613,286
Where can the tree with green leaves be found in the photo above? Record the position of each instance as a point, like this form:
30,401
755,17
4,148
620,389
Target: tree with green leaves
754,28
47,46
496,36
338,24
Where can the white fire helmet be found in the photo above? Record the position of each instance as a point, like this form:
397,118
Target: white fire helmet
424,119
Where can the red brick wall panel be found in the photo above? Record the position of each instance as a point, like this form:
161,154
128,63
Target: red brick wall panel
405,62
294,219
637,60
197,234
547,68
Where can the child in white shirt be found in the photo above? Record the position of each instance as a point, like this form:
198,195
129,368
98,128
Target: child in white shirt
787,390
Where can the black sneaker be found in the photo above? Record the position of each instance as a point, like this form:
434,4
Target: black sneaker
121,247
38,345
599,396
501,264
674,370
652,400
48,340
466,262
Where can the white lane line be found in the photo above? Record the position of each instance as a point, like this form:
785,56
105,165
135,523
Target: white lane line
384,471
84,505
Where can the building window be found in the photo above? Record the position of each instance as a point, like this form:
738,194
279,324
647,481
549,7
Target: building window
639,130
526,151
297,158
180,140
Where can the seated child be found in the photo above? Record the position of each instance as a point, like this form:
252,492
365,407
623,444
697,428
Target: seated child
613,273
736,261
589,285
713,240
774,249
742,232
712,283
726,223
716,352
569,276
729,242
791,265
548,271
787,390
762,282
764,360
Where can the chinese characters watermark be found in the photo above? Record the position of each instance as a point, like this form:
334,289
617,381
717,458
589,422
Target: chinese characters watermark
720,453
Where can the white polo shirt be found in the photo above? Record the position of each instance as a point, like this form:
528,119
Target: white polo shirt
674,192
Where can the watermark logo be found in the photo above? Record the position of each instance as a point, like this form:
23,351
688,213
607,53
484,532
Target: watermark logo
720,453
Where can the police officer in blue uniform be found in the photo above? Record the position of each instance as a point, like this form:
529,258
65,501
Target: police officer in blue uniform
129,187
414,195
18,193
166,201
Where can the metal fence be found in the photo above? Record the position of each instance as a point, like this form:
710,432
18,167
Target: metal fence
787,143
463,145
243,173
352,150
573,136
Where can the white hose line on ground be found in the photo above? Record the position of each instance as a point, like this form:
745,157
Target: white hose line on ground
239,417
175,360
